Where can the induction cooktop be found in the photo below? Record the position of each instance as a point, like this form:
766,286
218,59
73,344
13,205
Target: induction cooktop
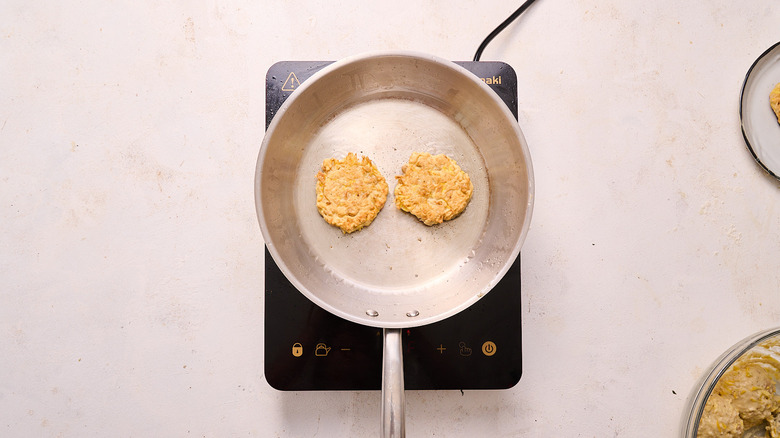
308,348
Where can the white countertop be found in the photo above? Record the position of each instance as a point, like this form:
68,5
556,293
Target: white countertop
131,265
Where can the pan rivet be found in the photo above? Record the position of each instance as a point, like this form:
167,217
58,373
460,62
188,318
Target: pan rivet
372,313
412,314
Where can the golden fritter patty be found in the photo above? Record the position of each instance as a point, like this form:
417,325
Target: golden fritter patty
433,188
350,193
774,101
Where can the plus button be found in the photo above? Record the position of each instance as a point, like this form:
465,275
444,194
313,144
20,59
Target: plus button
441,349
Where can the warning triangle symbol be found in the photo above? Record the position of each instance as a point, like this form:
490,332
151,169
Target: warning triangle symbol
292,83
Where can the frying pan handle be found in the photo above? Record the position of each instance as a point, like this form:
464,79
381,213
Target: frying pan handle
393,386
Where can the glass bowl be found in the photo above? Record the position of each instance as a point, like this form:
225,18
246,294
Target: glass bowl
706,385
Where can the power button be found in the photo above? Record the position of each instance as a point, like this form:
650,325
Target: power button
488,348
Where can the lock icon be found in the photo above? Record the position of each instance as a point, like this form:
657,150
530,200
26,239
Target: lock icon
297,349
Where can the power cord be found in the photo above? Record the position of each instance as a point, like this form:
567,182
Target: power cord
501,27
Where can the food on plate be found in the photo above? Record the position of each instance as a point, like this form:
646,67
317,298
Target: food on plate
746,399
350,192
433,188
774,101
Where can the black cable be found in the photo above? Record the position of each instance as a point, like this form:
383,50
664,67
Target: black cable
501,27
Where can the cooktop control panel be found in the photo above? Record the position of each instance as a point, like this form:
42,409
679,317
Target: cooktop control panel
308,348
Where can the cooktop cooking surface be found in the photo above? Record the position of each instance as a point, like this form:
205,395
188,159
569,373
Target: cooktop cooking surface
307,348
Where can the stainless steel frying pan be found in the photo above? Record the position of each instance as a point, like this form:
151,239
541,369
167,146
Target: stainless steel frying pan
397,272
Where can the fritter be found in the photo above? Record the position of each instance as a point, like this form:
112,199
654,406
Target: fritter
350,193
774,101
433,188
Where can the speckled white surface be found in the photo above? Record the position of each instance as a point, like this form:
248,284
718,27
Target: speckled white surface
131,260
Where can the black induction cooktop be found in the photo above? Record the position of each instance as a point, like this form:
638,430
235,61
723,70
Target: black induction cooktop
308,348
